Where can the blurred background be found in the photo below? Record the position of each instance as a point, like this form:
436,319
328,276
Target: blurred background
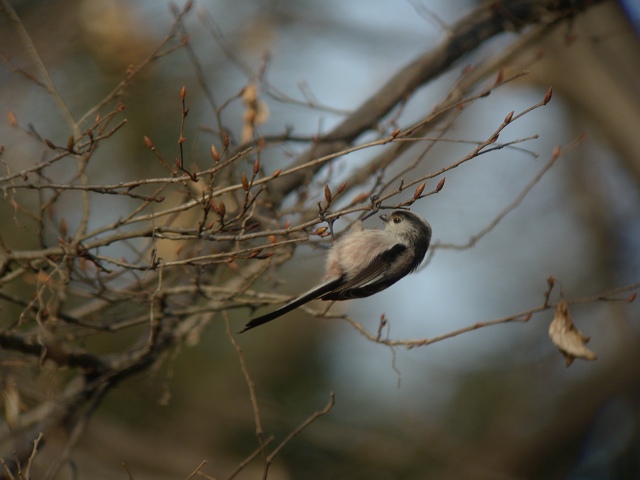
498,402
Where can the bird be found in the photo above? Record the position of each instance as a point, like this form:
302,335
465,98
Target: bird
364,262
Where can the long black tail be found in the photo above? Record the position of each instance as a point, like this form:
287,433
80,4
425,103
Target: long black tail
295,303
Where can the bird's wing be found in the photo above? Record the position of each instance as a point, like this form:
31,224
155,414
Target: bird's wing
312,294
371,279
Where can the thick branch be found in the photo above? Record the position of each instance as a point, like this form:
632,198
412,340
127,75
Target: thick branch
488,20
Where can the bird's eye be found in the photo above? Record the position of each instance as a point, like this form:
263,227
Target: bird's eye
397,219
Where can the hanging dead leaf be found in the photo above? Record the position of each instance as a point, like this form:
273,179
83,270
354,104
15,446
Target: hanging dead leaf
12,402
13,121
569,340
256,111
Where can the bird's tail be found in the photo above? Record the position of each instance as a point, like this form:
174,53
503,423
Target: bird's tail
312,294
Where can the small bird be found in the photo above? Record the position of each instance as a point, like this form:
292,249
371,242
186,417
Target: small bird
365,262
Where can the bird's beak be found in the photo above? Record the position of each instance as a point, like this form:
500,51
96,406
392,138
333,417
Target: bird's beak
384,218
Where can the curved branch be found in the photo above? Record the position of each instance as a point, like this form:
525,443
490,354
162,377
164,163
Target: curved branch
483,23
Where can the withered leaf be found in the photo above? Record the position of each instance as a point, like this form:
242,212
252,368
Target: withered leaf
569,340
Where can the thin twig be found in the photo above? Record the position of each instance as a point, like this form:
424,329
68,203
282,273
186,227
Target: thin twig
249,381
522,316
312,418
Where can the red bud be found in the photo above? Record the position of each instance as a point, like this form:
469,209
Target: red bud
508,118
360,197
327,193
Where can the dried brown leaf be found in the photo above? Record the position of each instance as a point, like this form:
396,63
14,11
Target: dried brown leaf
63,228
11,117
569,340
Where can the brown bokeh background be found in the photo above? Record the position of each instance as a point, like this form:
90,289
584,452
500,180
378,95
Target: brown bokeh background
494,403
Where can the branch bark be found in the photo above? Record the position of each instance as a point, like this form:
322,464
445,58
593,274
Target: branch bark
466,35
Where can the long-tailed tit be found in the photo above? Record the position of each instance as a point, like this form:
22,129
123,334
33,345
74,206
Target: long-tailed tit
364,262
